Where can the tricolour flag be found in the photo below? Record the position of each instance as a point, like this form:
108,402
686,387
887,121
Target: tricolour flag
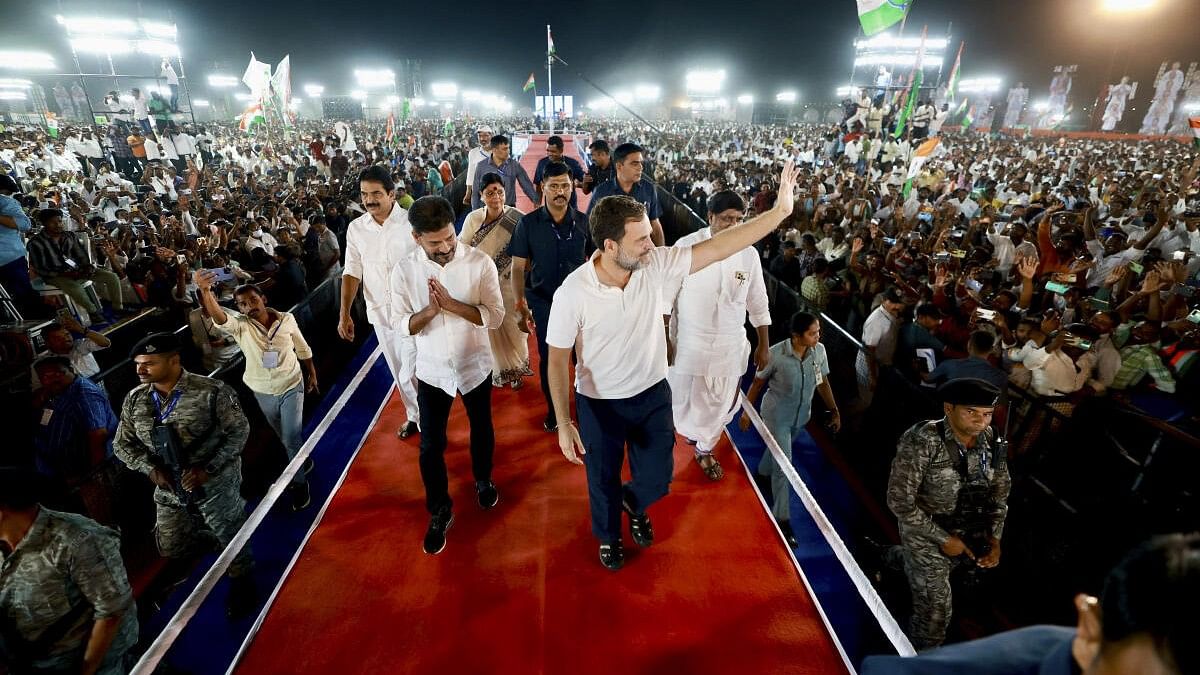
966,123
1194,122
922,155
962,107
281,87
252,116
549,41
952,89
529,84
914,92
878,15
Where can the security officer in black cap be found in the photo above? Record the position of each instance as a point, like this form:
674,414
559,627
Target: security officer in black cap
185,432
948,487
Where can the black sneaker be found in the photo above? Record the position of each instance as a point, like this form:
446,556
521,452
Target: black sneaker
300,495
243,597
486,494
550,423
639,526
612,555
435,536
788,535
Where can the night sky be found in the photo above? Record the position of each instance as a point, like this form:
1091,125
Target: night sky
765,47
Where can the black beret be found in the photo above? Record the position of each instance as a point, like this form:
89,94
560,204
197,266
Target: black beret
969,391
156,343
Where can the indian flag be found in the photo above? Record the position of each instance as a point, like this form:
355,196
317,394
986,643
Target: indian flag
955,72
549,41
922,155
529,84
253,115
970,117
878,15
1194,122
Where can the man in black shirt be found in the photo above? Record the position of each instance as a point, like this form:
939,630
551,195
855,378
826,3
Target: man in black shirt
549,244
601,170
786,266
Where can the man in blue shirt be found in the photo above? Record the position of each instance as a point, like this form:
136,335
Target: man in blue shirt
76,422
554,153
511,172
629,159
14,268
549,243
976,365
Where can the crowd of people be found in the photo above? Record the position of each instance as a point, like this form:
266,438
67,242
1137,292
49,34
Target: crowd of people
1062,267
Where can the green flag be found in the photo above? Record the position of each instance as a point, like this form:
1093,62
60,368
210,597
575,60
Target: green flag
529,84
878,15
966,123
913,93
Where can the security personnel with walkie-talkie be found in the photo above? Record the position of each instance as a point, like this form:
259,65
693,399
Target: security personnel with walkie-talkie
949,489
186,433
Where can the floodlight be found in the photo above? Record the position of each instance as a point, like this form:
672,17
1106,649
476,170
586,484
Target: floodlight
24,60
647,92
157,48
159,29
101,45
746,99
371,79
471,95
14,83
705,81
12,95
200,102
79,25
886,42
786,97
444,89
222,81
894,59
624,97
980,85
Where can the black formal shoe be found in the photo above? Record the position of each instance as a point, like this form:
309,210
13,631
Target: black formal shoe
486,494
550,423
639,526
435,536
300,495
788,535
308,465
612,555
243,597
409,429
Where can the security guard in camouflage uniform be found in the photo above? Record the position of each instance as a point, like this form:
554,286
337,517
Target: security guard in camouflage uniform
949,488
186,432
65,601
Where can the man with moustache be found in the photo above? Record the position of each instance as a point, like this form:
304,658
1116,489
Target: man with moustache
274,350
549,243
375,243
609,312
476,155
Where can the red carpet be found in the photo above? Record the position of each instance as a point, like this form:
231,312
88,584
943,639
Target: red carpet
529,161
520,590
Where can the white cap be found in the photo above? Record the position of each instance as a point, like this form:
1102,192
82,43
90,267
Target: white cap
484,129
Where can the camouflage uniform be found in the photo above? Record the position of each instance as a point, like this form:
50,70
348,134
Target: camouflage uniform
181,528
924,485
66,573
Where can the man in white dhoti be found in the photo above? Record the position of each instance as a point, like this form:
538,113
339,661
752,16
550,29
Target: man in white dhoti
375,243
708,335
1166,89
1017,96
1118,94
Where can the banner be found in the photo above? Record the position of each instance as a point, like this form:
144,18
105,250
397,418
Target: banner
1018,96
1060,87
1167,85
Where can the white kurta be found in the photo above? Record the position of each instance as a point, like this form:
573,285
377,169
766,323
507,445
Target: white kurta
708,329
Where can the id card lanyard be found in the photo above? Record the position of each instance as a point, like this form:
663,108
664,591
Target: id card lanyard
160,413
270,356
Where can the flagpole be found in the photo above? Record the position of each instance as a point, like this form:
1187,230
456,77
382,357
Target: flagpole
549,82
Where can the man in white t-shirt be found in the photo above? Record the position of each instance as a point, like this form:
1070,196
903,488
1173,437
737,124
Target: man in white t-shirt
608,311
141,111
477,155
879,335
167,72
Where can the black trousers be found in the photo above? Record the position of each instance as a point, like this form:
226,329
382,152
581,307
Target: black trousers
435,411
644,422
540,309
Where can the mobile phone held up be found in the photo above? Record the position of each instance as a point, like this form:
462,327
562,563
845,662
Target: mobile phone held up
1056,287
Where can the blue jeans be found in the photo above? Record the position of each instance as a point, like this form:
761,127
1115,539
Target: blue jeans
285,414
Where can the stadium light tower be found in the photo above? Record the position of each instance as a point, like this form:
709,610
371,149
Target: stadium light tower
788,97
374,79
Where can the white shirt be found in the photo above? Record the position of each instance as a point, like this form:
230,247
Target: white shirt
474,157
709,317
372,250
1054,373
453,354
168,72
880,331
617,333
140,112
264,240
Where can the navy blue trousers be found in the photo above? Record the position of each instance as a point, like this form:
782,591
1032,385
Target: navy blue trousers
644,423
